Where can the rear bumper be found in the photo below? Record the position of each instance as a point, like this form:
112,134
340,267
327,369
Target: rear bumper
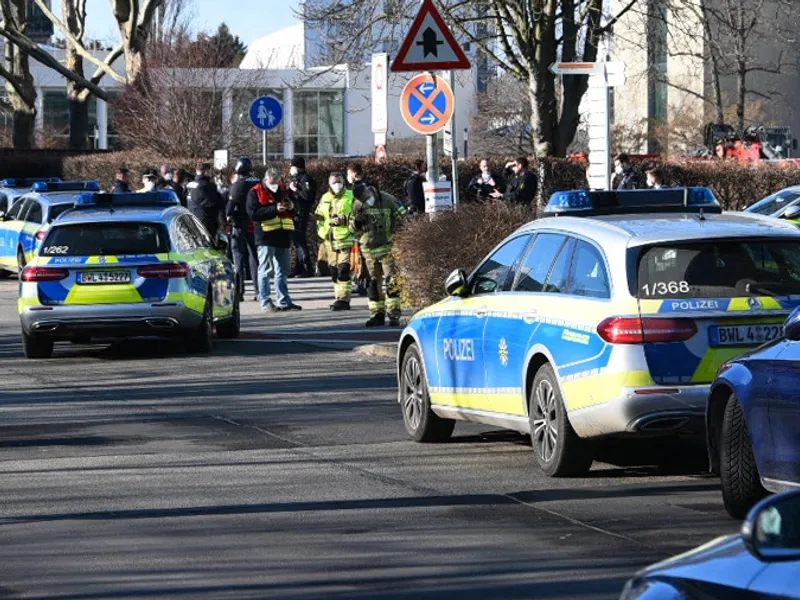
109,321
657,410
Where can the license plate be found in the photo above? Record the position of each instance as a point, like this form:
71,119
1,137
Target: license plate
744,335
88,277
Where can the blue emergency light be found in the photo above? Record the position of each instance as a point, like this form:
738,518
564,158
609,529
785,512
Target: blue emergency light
66,186
585,203
160,199
24,182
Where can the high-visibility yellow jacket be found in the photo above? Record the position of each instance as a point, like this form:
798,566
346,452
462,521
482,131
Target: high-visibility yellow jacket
330,206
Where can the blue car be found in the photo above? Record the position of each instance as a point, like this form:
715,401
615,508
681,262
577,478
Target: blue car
762,562
753,421
12,188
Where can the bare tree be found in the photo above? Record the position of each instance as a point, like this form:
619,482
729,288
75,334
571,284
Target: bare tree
521,37
501,125
15,70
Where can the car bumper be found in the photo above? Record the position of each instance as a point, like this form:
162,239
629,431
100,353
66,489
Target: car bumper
656,410
111,321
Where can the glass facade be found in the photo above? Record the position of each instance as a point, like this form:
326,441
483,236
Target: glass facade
55,116
246,139
318,124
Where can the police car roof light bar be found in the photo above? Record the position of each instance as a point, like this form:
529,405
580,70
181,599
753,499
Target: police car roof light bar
160,199
66,186
584,203
15,182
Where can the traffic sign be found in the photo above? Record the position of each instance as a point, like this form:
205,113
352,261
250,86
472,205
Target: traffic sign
266,113
380,154
429,44
427,104
611,67
380,92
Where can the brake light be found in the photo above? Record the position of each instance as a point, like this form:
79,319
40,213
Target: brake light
636,330
40,235
165,271
32,274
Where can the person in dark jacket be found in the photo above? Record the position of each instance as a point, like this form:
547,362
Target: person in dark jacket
168,182
272,211
243,246
625,176
303,192
205,201
122,182
413,189
522,183
184,179
484,185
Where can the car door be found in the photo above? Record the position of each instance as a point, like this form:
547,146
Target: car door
214,268
460,379
11,231
34,218
512,319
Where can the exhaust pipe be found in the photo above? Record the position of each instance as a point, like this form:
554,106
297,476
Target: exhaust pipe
161,323
46,327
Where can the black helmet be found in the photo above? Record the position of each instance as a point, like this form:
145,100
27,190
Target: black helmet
244,166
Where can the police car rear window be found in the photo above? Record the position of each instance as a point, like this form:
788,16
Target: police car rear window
720,269
106,239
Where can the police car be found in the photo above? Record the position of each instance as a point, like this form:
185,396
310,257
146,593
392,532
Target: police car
25,224
610,318
12,188
127,265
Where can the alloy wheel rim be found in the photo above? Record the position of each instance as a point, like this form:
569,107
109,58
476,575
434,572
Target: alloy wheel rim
545,420
412,393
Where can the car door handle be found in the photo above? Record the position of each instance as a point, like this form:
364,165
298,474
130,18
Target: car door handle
481,312
530,317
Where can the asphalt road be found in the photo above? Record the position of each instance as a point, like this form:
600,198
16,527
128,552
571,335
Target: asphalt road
278,468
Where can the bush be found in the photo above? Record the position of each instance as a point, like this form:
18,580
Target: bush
428,250
34,163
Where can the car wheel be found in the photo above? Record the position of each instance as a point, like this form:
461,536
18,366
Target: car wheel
741,483
420,421
36,347
558,449
231,328
201,339
5,274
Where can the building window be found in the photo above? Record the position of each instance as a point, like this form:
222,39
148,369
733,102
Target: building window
318,123
246,139
55,116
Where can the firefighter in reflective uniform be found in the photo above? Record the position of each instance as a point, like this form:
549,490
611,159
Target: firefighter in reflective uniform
376,216
333,218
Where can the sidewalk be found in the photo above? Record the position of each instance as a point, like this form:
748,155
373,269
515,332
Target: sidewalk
316,324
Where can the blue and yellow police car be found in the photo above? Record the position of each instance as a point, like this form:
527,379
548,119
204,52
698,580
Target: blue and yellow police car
25,224
12,188
127,265
608,317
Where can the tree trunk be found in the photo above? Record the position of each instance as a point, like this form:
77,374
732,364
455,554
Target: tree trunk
542,83
78,105
134,60
23,99
741,91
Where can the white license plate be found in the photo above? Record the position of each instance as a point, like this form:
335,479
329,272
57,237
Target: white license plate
744,335
86,277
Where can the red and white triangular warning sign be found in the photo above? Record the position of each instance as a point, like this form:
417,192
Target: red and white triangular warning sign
430,45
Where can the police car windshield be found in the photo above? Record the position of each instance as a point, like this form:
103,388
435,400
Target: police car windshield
720,269
106,239
774,203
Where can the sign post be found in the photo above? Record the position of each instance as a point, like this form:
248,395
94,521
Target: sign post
220,159
450,145
266,113
427,102
379,85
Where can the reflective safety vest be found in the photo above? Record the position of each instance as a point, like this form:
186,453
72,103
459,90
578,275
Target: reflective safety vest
339,236
283,220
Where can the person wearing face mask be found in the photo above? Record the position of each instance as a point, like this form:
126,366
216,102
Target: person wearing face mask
243,245
167,181
149,180
272,212
333,217
486,184
303,192
522,185
355,178
625,177
205,201
655,179
376,216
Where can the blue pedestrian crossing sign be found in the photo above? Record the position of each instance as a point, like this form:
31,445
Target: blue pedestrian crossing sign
266,113
427,104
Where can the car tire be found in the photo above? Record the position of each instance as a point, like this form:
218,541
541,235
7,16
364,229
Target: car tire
201,340
5,274
36,347
231,328
421,423
559,451
741,483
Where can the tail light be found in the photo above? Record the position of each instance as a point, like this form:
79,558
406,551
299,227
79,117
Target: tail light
165,271
636,330
40,235
33,274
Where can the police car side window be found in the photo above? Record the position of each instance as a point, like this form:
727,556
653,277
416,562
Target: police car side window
588,276
34,214
182,236
539,261
493,275
16,209
204,238
559,275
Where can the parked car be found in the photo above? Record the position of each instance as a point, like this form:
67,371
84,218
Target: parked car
753,420
760,562
784,204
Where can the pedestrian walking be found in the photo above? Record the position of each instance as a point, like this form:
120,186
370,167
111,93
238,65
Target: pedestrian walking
626,177
272,211
303,192
414,190
333,217
522,183
122,181
243,244
376,216
205,201
486,185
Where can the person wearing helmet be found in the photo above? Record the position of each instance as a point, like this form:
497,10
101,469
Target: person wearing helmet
243,245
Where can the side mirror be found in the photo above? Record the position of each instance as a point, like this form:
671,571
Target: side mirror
222,243
772,529
456,283
793,212
2,216
791,327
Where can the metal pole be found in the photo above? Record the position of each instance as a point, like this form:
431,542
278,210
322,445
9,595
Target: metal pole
453,143
466,138
609,157
264,148
432,156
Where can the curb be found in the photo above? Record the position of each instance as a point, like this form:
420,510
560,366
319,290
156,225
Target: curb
388,351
